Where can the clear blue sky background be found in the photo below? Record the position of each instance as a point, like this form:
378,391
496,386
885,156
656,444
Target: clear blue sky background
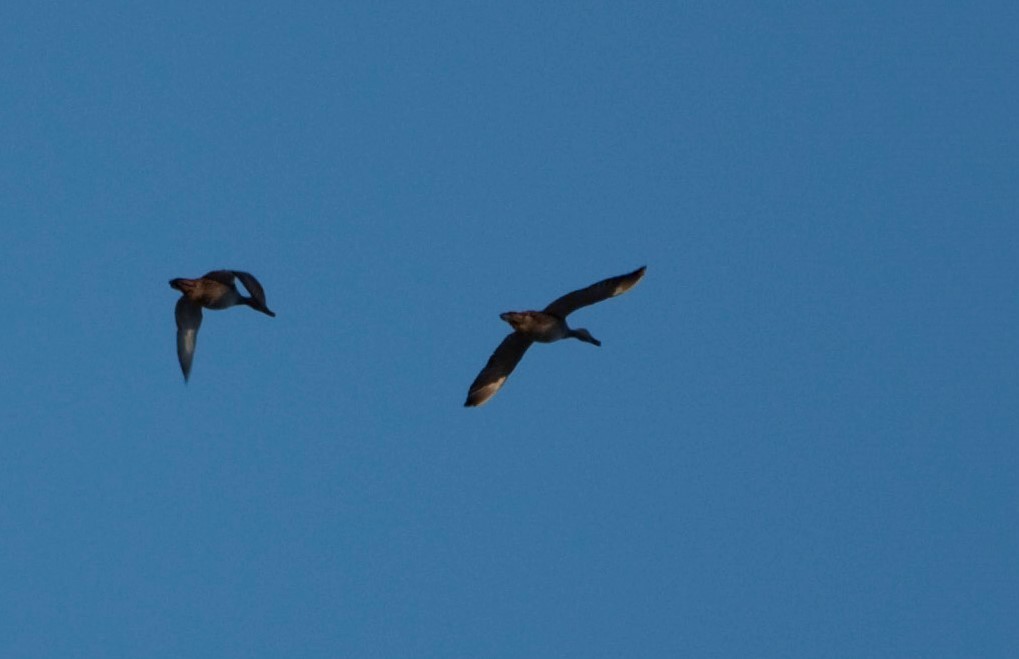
799,436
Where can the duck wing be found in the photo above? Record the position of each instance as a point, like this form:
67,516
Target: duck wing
255,289
602,290
225,277
499,366
189,319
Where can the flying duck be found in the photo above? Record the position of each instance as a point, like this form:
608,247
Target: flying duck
213,290
543,326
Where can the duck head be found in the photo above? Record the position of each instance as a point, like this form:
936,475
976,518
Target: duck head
584,336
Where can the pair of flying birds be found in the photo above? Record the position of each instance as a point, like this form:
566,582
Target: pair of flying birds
217,290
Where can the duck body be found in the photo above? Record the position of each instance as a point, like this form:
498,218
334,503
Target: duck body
545,327
207,293
537,325
213,290
217,290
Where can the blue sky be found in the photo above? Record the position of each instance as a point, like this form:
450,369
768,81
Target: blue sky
797,440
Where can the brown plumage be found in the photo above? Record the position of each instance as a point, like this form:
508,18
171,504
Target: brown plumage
213,290
545,327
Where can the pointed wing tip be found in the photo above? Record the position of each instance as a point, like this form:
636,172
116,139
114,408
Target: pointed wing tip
626,282
475,399
483,394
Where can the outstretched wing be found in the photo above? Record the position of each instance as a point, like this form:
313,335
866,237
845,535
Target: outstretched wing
189,319
255,289
603,290
499,366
